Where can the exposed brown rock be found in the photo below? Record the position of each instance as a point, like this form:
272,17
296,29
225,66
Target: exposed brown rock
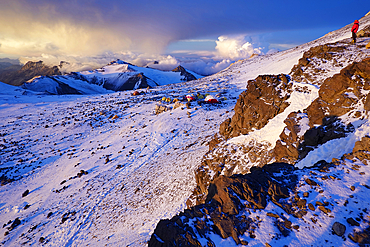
362,238
364,32
338,95
286,149
310,182
362,145
361,149
307,69
167,233
335,95
311,207
264,98
214,163
227,196
216,140
254,188
272,215
324,209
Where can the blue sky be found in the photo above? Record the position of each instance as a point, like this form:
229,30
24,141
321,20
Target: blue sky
71,29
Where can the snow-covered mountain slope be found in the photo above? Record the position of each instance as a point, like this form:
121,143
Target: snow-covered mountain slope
7,90
104,169
264,117
316,114
116,76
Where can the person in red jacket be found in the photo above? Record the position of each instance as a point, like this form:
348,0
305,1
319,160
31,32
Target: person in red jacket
354,30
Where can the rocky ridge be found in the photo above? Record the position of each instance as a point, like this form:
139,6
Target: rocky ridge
239,207
116,76
27,72
231,205
348,90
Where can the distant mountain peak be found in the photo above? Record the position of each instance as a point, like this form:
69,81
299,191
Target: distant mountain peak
179,69
29,71
118,61
187,76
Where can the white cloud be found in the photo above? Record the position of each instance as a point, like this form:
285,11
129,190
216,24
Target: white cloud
206,67
236,47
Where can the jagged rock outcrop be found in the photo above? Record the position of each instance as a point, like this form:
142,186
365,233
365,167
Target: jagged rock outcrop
317,61
297,139
227,197
27,72
364,32
264,98
234,205
225,161
339,95
187,76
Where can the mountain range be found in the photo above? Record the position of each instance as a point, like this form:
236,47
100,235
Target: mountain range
116,76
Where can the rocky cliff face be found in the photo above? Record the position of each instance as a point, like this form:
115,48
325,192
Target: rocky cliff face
228,196
240,207
27,72
264,98
340,95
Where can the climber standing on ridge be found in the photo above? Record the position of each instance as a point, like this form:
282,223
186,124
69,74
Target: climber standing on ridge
354,30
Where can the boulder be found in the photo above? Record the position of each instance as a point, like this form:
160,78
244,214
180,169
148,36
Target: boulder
364,32
159,108
339,229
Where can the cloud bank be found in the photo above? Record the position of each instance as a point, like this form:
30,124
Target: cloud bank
89,33
236,47
227,50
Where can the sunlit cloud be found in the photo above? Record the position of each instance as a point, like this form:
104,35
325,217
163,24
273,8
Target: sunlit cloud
90,33
226,51
236,47
45,30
